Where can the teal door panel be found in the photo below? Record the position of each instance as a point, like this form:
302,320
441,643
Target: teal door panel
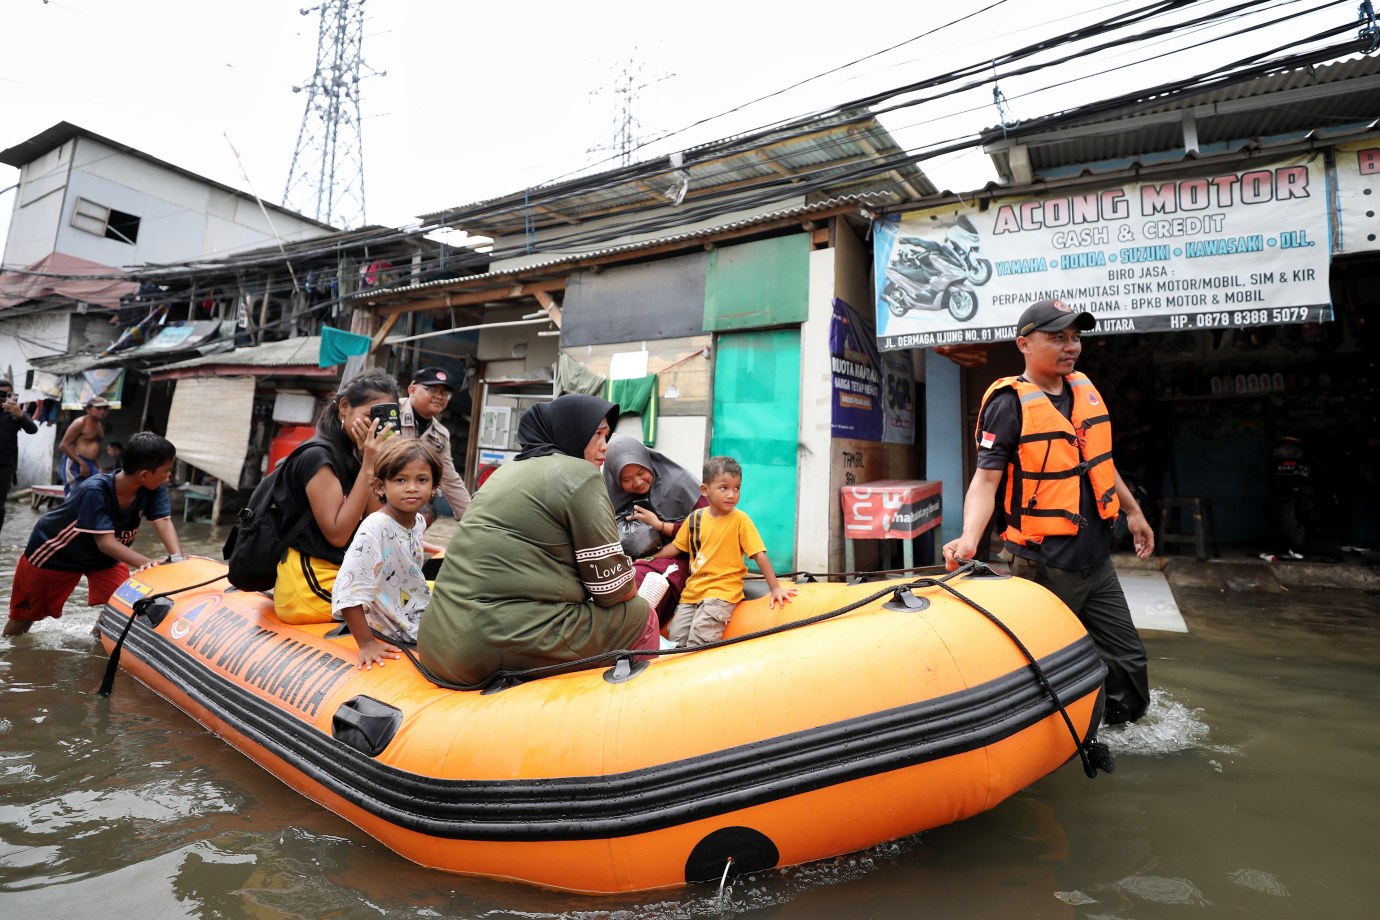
756,421
763,283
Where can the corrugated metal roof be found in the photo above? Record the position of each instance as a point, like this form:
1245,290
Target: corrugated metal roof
1360,66
68,364
1332,99
832,145
304,351
504,278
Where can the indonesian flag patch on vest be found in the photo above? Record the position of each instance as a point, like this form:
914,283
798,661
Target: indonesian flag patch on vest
986,441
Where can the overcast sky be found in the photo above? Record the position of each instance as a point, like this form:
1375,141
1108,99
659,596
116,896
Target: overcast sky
483,99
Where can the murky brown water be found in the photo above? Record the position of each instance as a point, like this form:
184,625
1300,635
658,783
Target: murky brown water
1250,791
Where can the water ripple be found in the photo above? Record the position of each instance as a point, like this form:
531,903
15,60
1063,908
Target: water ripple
1167,727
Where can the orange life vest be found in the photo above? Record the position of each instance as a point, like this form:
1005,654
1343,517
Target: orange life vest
1042,481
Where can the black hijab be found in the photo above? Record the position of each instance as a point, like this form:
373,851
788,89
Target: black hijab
563,426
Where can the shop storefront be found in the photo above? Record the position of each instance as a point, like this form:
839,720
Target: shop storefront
1237,308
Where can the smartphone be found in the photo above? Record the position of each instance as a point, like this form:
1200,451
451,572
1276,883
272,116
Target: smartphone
387,413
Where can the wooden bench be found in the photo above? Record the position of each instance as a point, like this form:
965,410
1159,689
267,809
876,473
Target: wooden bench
51,495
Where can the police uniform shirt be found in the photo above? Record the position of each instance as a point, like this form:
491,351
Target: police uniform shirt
1001,419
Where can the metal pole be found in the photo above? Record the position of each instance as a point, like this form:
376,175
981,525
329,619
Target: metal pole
144,416
215,505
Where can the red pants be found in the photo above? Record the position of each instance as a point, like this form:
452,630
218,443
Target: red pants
40,593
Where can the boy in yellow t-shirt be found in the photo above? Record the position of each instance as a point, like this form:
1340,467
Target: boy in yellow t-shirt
717,538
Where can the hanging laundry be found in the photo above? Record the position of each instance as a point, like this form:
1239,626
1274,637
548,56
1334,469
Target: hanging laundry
637,396
338,346
574,377
376,273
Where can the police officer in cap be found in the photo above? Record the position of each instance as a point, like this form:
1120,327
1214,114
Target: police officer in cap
427,396
1045,446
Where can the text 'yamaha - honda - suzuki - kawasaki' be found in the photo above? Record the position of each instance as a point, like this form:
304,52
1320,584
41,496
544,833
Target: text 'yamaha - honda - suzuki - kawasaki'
926,275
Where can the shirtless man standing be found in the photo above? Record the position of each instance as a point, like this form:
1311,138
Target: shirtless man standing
82,443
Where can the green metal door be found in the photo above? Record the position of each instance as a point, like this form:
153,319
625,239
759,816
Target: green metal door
756,421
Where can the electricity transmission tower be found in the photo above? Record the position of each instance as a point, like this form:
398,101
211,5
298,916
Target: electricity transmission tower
326,178
627,82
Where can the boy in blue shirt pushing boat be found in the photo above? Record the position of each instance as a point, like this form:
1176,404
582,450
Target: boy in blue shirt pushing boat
91,532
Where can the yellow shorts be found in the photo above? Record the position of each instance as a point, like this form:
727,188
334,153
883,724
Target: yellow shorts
302,593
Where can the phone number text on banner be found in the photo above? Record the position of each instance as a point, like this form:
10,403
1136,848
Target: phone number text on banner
1246,248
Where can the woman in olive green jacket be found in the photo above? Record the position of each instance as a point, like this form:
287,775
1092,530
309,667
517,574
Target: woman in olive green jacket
535,574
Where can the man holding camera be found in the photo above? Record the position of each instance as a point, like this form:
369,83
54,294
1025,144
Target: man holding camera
12,421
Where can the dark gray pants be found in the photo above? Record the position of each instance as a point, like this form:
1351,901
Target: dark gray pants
6,483
1095,597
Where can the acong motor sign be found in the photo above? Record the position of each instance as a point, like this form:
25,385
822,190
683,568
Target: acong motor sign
1142,256
1188,195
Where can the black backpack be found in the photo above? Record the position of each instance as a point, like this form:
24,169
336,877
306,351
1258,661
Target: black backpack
257,542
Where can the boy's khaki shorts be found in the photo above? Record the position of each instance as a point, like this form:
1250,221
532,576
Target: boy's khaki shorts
701,623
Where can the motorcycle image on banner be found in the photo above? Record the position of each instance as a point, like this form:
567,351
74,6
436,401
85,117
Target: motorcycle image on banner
1198,250
930,274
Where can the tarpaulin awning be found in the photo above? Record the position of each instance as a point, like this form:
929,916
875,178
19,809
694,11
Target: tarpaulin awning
59,275
179,337
209,424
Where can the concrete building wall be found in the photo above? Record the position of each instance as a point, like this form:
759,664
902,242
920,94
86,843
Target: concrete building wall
816,417
179,217
38,207
512,351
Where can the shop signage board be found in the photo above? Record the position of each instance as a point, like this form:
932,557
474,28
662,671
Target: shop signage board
1240,248
1358,195
892,509
873,393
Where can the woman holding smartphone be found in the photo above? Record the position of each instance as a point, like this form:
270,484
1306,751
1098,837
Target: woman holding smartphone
328,477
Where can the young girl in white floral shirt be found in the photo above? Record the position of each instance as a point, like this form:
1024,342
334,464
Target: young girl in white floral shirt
380,584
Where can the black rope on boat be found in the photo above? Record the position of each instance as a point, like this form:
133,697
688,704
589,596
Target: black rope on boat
916,569
1094,754
501,677
139,607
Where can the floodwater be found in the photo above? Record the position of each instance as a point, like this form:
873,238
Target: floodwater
1250,790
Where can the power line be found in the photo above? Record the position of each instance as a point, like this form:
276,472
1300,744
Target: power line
771,189
850,112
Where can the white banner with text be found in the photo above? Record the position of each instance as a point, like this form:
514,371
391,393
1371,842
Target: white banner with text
1246,248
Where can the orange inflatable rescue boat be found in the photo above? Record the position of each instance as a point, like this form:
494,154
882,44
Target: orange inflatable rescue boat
909,711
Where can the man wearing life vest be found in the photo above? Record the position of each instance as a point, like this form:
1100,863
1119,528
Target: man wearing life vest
1045,441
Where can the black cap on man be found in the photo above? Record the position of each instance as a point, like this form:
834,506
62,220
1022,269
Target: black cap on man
1053,316
433,377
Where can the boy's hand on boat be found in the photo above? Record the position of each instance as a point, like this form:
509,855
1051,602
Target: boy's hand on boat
376,653
781,595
